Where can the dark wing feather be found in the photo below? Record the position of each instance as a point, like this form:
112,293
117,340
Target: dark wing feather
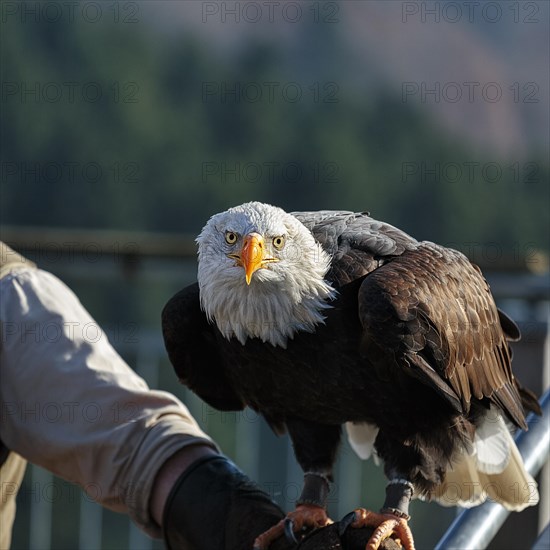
193,350
356,243
509,327
434,310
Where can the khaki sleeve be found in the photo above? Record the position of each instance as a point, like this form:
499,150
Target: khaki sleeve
71,404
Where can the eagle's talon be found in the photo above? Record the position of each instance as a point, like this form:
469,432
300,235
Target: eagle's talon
345,522
384,524
303,517
264,540
289,530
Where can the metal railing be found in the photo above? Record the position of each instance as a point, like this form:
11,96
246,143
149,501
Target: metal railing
474,528
543,542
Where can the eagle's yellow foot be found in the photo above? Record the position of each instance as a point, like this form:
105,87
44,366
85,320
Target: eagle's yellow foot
305,515
385,525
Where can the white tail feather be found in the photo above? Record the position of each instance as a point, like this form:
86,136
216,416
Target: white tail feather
361,437
492,444
494,469
466,486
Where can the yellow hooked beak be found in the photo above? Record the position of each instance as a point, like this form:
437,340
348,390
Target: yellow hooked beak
253,255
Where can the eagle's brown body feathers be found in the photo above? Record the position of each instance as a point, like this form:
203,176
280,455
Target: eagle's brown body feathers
413,344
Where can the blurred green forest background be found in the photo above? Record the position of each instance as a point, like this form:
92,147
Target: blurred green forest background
157,149
152,116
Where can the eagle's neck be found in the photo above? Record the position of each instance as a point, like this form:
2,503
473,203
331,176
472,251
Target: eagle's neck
268,309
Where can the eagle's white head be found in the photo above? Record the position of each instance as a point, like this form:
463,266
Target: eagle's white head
261,274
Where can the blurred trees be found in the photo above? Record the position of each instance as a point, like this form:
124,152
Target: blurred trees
104,126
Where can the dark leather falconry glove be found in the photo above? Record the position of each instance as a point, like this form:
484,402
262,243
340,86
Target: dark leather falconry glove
215,506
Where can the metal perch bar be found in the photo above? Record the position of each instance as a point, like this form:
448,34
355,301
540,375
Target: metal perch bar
543,540
474,528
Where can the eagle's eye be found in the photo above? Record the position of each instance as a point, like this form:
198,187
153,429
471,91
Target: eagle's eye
278,242
230,237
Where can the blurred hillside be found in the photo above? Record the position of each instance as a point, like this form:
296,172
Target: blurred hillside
380,45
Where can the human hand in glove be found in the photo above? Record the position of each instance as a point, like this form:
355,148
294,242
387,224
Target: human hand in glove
211,504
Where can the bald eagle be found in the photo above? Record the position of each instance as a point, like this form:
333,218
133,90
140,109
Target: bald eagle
319,320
